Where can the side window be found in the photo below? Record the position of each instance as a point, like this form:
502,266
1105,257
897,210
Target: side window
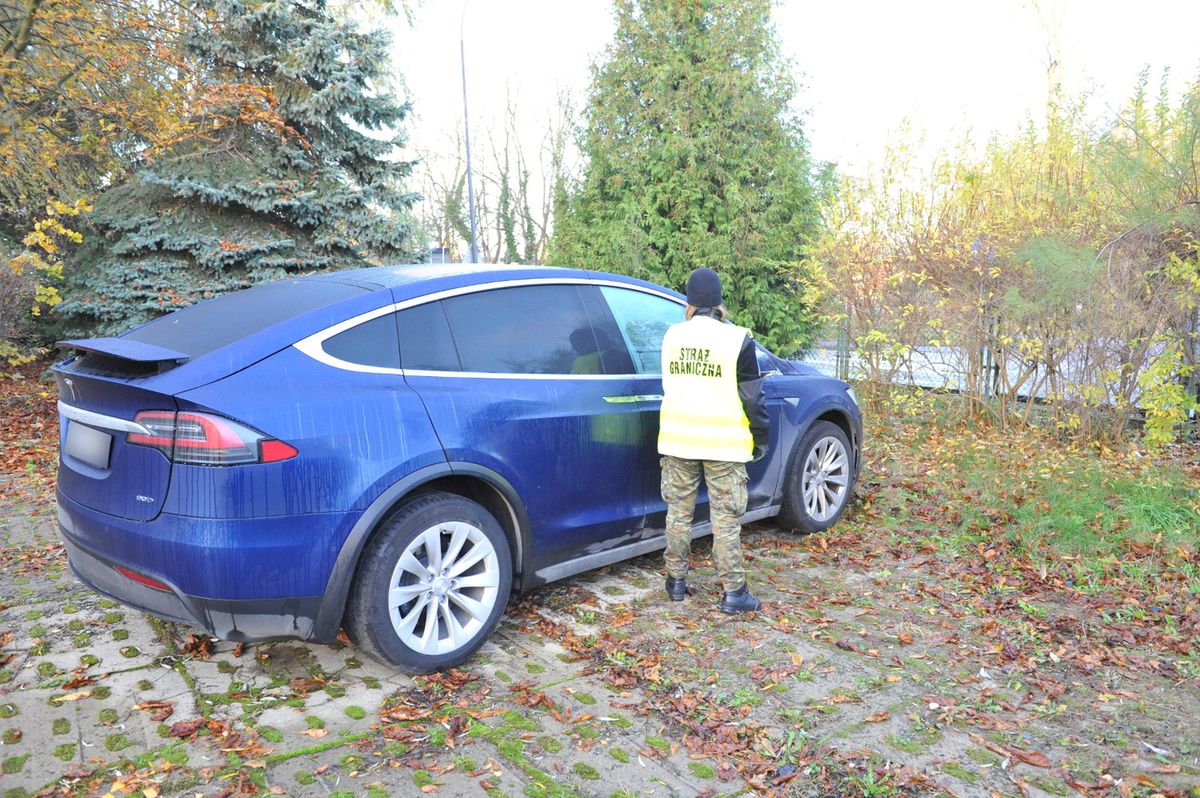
537,329
372,343
643,320
425,340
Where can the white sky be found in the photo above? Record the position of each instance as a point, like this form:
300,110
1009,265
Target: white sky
864,66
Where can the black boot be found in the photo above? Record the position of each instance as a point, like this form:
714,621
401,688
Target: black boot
676,588
739,600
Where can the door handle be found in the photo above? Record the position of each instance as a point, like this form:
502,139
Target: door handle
644,397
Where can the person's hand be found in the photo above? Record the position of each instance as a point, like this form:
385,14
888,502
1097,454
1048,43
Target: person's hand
760,451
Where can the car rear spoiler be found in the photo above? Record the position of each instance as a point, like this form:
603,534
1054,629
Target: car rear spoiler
133,352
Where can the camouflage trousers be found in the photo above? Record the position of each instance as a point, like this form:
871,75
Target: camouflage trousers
727,503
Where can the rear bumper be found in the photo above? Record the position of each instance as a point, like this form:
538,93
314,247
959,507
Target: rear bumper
243,620
237,559
174,550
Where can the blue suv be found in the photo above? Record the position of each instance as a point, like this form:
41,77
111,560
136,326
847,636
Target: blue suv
396,450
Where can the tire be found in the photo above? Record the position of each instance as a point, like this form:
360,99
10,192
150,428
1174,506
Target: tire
818,486
403,612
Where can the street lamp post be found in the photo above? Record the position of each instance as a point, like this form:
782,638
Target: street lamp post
462,53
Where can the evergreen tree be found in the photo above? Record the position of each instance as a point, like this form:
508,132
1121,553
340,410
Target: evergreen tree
694,159
294,169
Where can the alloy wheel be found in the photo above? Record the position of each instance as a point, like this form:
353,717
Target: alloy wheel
443,588
825,479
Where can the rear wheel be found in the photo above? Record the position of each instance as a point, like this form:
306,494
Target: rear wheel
822,476
431,584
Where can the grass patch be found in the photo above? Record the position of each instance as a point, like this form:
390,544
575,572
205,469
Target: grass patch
284,756
271,734
116,742
14,764
586,771
914,745
1094,513
511,748
959,772
982,756
1043,498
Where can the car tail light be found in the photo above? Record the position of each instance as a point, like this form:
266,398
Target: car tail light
205,439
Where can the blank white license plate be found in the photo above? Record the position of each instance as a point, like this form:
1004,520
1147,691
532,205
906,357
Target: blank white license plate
88,445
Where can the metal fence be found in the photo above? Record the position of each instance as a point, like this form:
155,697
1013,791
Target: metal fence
947,368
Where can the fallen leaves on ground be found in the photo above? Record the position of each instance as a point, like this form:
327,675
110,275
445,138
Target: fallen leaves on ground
159,710
28,430
199,646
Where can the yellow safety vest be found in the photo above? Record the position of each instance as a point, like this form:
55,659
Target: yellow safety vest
702,416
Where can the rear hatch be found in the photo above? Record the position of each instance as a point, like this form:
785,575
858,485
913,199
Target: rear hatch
100,392
109,381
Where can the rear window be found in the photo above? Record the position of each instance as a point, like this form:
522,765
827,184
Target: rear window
372,343
210,325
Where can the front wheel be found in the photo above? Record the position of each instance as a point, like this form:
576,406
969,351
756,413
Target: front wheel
431,585
818,487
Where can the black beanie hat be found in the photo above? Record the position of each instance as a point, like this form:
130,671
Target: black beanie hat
704,289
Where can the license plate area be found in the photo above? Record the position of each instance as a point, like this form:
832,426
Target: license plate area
88,445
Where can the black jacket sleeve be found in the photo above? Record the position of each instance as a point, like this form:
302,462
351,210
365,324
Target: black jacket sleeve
750,389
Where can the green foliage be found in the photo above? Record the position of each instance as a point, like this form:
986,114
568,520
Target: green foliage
694,159
1069,251
296,171
1062,272
1163,397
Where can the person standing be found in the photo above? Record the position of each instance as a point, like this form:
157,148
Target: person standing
713,421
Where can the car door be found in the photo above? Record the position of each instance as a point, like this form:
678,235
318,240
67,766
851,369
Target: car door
642,317
521,383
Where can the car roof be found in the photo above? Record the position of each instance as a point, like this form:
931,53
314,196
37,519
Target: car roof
223,320
231,331
394,275
412,280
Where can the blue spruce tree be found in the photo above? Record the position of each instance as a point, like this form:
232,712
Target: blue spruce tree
293,168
